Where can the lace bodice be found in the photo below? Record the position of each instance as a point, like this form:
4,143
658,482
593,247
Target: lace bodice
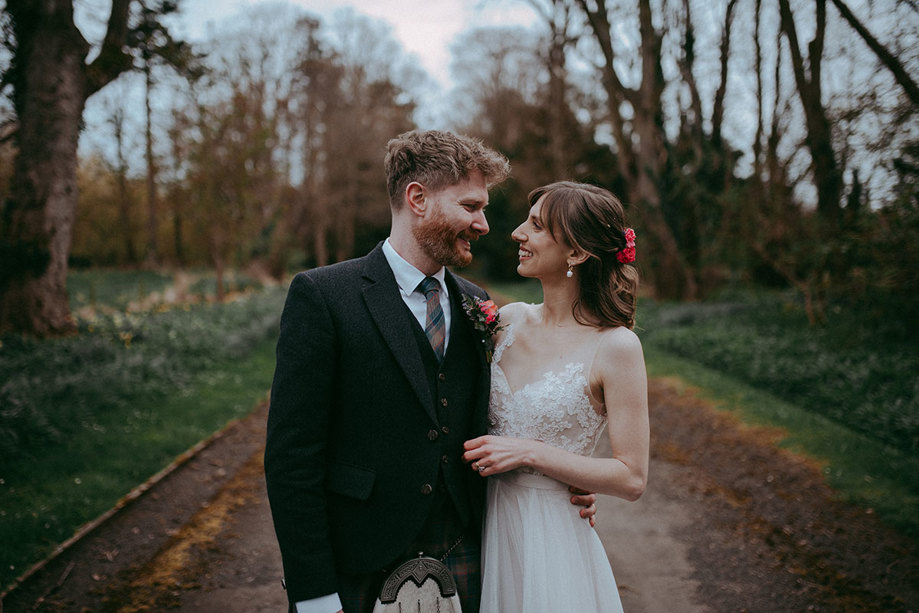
555,408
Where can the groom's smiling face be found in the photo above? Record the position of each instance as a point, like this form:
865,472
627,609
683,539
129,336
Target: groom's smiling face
454,218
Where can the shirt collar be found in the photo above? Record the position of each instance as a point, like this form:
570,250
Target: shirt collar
407,276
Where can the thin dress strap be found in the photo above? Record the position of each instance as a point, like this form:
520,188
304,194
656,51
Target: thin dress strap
506,340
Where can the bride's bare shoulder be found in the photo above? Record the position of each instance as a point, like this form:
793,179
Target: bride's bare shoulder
515,312
620,343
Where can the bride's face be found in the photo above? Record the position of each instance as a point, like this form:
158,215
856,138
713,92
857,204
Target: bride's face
540,255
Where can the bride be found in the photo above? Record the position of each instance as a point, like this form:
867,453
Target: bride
562,372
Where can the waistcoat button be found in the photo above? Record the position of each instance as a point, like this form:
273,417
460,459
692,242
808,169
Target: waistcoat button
443,402
432,435
426,489
442,377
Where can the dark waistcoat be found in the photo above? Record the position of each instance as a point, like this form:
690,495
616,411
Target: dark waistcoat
453,389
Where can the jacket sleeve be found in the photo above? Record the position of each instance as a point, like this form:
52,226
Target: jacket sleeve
295,452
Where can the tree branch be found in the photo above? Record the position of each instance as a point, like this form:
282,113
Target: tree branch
599,22
112,59
718,108
815,49
887,58
788,26
615,90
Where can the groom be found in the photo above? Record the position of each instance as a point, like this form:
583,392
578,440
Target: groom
380,379
368,414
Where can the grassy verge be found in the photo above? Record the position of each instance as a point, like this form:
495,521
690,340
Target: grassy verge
859,374
85,419
864,471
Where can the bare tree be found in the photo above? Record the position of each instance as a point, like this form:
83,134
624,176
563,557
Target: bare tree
807,71
154,46
116,120
640,140
349,103
718,108
556,14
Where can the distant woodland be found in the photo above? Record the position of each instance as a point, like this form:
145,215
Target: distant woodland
755,142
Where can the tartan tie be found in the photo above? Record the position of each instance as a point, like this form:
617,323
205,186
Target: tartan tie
434,327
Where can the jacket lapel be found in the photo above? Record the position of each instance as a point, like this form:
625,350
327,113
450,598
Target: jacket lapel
461,325
386,307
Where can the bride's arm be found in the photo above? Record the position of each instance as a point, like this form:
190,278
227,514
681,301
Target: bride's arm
620,368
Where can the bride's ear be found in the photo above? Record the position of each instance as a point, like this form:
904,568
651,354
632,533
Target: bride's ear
577,257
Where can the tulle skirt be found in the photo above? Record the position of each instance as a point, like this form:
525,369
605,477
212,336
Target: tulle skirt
538,554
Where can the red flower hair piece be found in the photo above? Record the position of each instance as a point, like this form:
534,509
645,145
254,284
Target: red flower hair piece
627,255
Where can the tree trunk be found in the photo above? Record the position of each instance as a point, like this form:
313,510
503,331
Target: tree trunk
153,254
760,103
124,216
177,234
124,201
220,272
38,219
51,83
557,19
693,129
827,176
723,168
217,246
321,243
718,109
344,232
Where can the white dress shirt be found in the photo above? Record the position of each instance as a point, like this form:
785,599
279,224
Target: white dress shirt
407,277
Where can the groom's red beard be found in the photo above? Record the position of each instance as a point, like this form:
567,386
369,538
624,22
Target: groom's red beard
439,241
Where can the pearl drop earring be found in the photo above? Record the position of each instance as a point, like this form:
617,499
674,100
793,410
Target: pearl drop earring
570,273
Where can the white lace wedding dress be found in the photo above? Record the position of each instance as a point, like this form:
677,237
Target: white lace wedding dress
538,554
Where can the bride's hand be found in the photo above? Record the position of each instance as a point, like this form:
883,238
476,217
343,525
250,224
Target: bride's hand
491,455
587,500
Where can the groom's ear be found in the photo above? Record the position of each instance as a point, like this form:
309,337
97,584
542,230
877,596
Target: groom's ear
416,197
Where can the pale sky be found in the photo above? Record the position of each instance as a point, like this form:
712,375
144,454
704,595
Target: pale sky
424,27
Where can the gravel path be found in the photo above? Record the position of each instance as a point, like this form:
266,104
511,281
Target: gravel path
728,523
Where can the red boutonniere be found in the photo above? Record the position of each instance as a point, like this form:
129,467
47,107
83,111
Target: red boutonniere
484,317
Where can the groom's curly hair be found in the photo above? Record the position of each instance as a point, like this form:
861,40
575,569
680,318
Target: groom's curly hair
437,160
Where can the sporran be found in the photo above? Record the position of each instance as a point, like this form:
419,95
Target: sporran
421,585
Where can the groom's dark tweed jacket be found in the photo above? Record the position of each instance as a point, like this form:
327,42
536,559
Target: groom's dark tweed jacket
365,430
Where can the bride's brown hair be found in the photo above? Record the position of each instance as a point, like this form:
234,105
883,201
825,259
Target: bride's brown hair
592,220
